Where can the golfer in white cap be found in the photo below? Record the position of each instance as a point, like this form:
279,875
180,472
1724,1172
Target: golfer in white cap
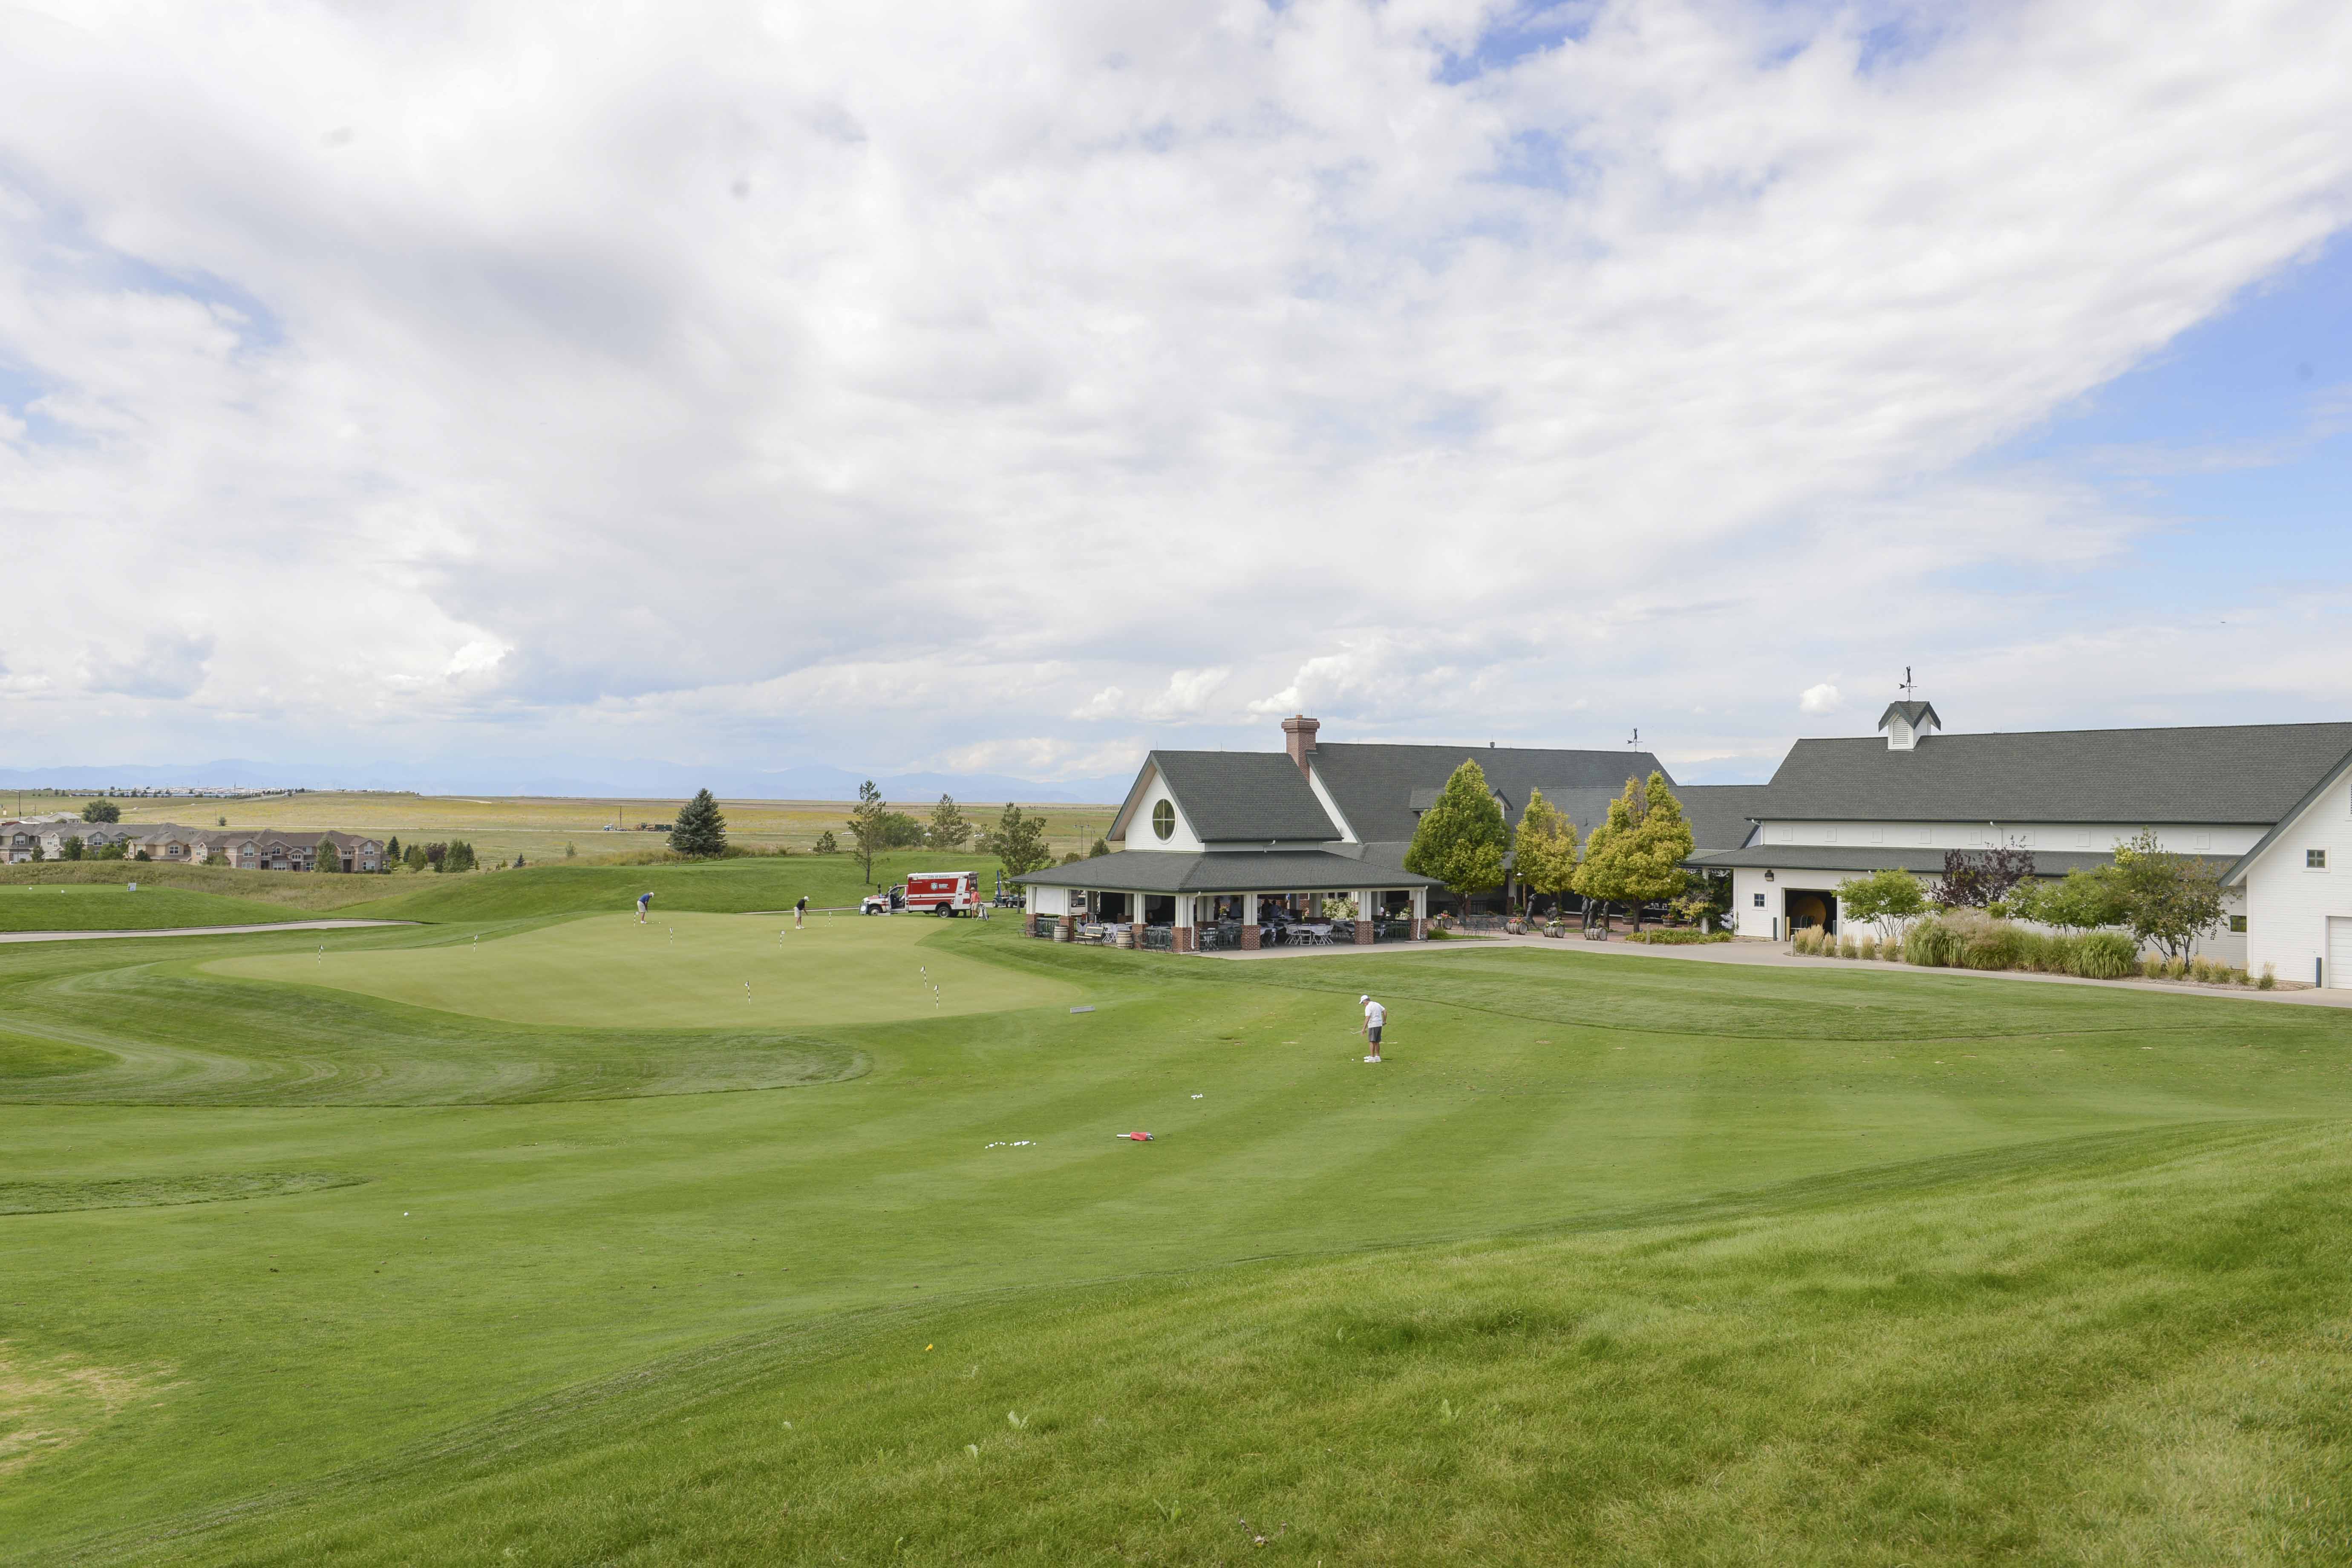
1374,1017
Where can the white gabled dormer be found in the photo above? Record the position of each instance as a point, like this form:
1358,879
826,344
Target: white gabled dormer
1151,818
1907,723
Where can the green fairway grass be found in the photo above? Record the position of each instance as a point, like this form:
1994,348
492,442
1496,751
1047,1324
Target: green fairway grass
561,887
680,971
114,906
726,887
1610,1262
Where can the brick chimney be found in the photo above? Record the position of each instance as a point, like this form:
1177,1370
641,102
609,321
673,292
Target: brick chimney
1299,738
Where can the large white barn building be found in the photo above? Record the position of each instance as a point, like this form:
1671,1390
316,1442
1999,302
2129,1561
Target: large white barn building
2272,804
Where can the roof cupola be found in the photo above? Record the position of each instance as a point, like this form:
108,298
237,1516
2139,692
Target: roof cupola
1907,723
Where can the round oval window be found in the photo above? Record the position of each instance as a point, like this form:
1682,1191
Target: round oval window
1164,819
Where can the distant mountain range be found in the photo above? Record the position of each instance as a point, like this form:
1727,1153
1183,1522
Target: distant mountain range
571,776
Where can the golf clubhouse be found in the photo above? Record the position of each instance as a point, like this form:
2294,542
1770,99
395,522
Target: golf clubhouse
1243,849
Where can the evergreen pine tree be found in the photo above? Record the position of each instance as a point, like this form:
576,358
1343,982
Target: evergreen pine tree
949,830
1460,839
700,830
1018,842
867,829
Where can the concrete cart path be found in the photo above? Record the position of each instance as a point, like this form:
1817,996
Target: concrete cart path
196,930
1777,955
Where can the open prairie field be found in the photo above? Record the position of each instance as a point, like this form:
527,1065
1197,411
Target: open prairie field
521,1239
540,828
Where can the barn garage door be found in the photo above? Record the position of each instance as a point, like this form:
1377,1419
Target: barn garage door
2339,953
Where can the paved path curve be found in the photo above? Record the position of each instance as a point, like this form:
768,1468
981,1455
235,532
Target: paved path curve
196,930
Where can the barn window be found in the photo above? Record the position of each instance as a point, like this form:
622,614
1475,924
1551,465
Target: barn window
2315,859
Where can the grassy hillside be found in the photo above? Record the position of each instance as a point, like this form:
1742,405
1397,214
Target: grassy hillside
2131,1353
561,887
1610,1262
720,887
111,906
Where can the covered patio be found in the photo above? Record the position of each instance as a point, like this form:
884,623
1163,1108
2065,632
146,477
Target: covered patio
1217,899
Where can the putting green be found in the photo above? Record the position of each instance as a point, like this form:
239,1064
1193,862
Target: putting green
681,970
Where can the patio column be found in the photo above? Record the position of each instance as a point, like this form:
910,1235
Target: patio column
1368,914
1420,913
1249,921
1185,915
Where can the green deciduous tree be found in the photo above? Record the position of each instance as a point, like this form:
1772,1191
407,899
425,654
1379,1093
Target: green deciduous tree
2165,899
949,830
1543,853
101,811
460,856
1018,842
699,829
2080,900
1889,900
70,849
900,831
867,829
1636,855
1460,838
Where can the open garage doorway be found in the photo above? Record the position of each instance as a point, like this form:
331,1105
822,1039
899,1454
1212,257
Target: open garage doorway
1809,908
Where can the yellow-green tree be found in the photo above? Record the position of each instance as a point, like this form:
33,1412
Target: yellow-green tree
1460,839
1636,855
1543,853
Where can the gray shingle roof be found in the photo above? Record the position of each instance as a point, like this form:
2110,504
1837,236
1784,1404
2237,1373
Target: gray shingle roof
1718,813
1375,782
1243,797
1225,871
1911,713
2244,773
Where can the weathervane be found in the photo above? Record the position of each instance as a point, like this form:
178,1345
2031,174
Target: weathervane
1906,688
1637,736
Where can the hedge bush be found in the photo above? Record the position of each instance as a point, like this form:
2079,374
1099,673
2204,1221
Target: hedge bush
1678,938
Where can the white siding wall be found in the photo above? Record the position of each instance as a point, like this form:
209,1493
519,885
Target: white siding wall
1138,826
2288,905
2095,838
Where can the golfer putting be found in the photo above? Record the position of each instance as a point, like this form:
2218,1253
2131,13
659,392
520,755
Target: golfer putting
645,903
800,913
1375,1017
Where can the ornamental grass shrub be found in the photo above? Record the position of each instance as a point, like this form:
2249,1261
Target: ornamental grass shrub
2106,956
1931,945
1849,948
1869,947
2269,980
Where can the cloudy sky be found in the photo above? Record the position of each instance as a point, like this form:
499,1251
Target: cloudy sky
1012,387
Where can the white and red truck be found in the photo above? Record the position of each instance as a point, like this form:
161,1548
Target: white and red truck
944,893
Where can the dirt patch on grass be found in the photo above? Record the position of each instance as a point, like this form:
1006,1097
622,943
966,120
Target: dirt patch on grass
51,1403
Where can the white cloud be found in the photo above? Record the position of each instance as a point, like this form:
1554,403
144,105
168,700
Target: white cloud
874,384
1186,696
1822,698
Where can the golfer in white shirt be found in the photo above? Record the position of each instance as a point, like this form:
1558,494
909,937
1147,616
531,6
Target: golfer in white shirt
1374,1017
